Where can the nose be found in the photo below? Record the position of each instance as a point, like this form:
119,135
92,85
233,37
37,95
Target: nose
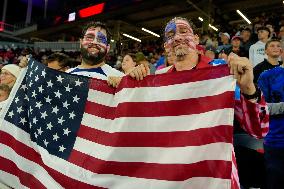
177,38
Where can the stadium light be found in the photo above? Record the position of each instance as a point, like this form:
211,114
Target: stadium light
131,37
201,19
244,17
213,27
150,32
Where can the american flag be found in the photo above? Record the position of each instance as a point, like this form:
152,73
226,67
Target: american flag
168,131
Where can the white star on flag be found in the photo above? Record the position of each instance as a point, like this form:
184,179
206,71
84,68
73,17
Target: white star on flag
49,83
68,89
40,89
61,148
43,115
39,131
71,115
20,109
75,98
43,73
57,94
78,83
38,105
23,121
55,110
59,78
55,137
66,131
49,126
45,142
47,100
60,120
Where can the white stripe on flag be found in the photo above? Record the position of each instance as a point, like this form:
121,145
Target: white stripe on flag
160,124
177,155
108,180
29,167
10,180
163,93
172,92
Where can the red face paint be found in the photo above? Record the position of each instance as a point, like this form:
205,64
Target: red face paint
179,37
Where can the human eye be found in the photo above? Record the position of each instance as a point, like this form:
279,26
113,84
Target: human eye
170,34
183,30
89,37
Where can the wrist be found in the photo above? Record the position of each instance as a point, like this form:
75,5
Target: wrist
249,90
256,95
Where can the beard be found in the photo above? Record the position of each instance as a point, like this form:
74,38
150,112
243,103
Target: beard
93,58
181,52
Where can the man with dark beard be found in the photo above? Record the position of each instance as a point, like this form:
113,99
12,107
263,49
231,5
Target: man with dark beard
94,48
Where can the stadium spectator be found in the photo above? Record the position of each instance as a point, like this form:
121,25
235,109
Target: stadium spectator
58,61
180,39
9,74
256,51
236,47
210,53
94,48
271,83
246,40
273,51
4,94
128,63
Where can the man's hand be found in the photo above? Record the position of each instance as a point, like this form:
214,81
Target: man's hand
139,72
242,70
114,81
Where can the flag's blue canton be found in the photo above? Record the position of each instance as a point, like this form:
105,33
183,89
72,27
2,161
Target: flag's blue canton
49,105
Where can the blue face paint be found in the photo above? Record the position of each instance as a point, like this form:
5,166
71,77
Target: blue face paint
101,38
170,28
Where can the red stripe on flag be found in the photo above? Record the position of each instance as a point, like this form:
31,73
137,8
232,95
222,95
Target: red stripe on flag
100,110
170,172
158,139
30,154
166,108
26,179
101,85
179,77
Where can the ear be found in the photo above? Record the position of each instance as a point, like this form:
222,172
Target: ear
108,48
66,68
81,42
196,39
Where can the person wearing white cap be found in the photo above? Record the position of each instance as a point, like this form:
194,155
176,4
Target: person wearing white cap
9,74
225,43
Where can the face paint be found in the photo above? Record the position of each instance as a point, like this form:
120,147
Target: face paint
94,46
183,40
170,30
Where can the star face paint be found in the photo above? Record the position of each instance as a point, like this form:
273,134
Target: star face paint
179,37
170,30
94,46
